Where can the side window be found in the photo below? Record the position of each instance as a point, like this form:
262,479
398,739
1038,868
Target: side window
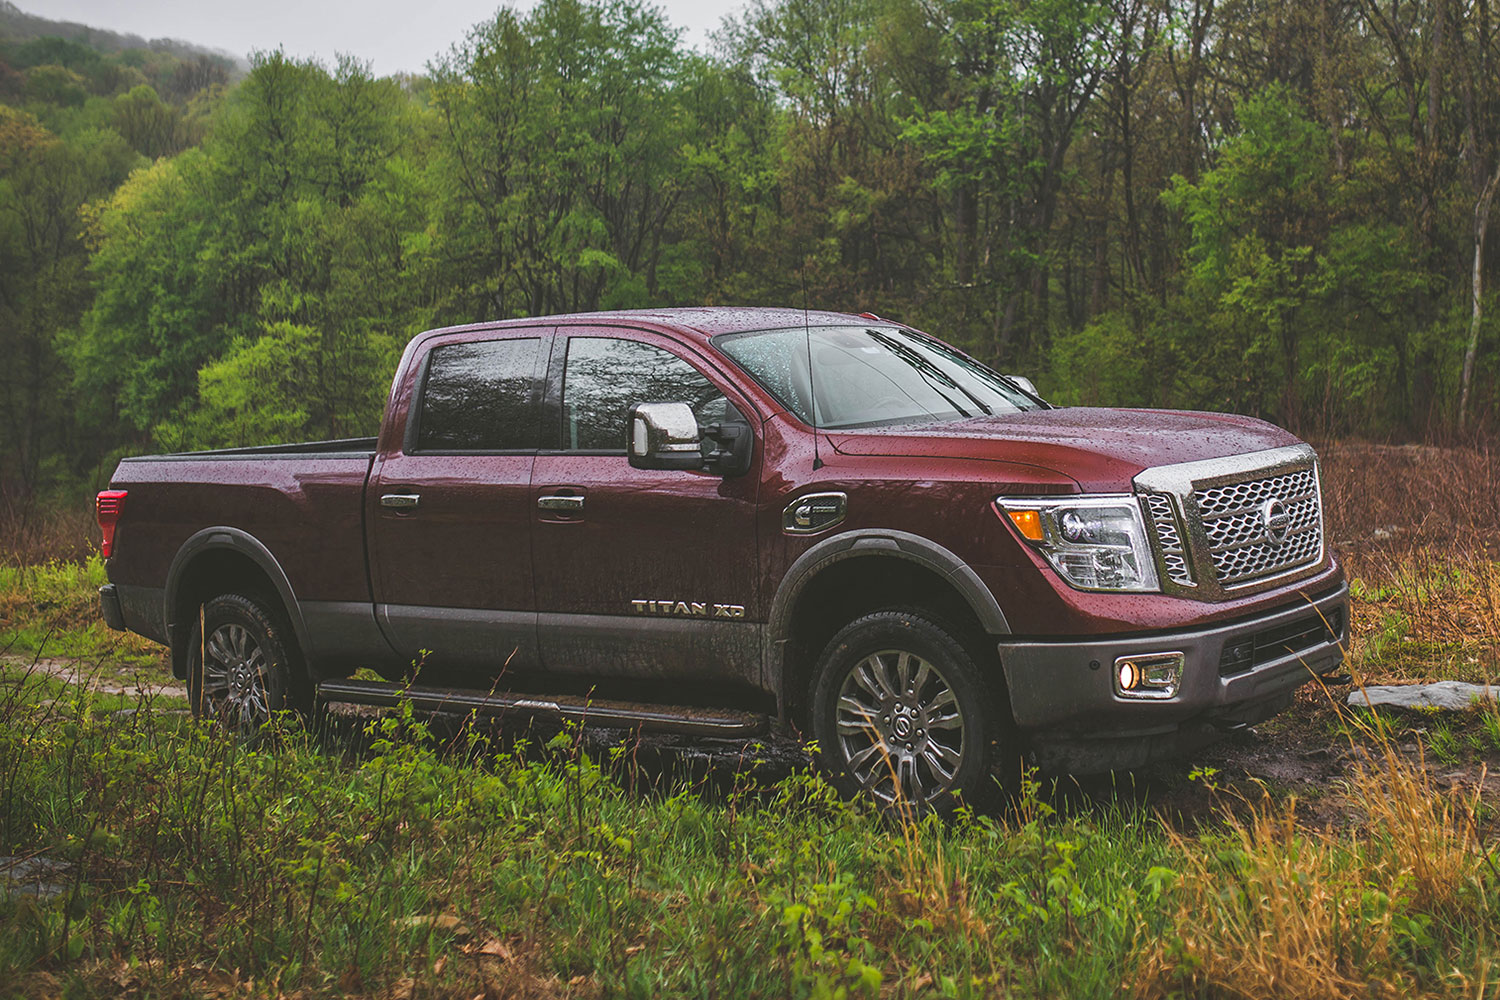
604,377
480,397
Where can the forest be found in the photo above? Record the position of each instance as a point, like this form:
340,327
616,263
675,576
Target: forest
1265,206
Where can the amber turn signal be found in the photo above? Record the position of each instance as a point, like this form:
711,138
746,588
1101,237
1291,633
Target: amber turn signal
1028,523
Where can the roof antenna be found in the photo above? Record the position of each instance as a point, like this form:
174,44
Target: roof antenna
812,390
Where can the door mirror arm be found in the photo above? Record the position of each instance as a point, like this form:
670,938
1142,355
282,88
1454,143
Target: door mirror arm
734,444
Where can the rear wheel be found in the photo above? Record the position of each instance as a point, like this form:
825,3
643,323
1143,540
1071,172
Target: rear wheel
240,669
902,714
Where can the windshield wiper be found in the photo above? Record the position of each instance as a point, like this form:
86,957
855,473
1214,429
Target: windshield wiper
928,371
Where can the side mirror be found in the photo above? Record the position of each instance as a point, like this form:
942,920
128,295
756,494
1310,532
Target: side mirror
664,436
1025,383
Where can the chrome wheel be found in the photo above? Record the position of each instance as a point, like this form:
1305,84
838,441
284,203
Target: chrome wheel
899,727
235,687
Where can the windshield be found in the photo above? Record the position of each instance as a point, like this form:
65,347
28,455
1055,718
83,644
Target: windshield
867,376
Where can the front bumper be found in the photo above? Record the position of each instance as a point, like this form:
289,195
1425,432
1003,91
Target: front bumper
1063,698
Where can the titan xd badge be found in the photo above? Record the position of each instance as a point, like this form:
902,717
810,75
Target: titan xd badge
688,609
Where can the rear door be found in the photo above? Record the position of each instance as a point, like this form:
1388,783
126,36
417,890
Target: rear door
640,573
449,512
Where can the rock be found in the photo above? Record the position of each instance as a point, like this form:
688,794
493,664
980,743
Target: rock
40,877
1450,695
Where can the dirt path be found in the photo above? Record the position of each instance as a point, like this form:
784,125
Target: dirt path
103,677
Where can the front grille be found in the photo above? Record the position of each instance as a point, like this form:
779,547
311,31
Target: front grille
1284,640
1173,551
1233,522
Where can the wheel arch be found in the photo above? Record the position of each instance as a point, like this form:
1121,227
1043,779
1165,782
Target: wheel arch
883,566
223,560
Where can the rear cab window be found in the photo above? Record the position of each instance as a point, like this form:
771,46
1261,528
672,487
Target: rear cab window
479,397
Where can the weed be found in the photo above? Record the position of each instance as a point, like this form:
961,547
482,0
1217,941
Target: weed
1489,723
1445,743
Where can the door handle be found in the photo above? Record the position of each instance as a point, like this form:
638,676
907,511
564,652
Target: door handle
400,501
571,505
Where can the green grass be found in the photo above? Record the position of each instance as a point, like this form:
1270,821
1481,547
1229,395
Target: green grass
53,610
1431,615
391,856
313,869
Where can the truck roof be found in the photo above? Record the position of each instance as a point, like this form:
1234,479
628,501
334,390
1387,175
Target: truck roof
706,321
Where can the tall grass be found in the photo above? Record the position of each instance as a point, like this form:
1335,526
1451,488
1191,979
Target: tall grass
463,865
1401,904
395,859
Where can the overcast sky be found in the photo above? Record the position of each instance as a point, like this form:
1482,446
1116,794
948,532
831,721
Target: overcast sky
395,35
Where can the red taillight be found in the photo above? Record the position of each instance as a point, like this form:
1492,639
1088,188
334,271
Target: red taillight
107,508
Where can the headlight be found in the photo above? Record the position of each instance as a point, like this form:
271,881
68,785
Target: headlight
1094,542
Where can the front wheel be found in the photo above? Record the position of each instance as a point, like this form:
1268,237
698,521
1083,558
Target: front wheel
902,713
240,670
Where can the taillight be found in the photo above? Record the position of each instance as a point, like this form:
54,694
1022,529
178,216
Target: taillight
107,508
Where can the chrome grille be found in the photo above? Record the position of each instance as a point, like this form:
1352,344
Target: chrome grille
1173,552
1207,521
1238,545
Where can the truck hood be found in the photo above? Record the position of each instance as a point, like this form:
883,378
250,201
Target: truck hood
1101,449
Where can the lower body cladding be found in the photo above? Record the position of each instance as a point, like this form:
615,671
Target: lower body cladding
1069,704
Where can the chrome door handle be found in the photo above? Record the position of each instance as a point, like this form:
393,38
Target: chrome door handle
400,501
570,504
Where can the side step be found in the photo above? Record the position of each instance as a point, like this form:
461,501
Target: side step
558,708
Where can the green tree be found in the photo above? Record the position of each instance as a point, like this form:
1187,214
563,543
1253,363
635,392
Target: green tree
561,133
44,182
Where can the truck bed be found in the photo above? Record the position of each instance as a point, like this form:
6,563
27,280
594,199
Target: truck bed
298,508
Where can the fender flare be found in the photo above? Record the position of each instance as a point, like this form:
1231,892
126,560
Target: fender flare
885,542
245,544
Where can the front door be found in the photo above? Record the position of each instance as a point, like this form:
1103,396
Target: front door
640,573
449,514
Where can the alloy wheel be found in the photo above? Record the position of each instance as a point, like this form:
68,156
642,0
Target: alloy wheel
234,679
899,727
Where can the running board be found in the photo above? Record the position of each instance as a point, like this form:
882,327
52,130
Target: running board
558,708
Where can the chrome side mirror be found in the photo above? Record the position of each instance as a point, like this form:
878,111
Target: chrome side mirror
664,436
1025,383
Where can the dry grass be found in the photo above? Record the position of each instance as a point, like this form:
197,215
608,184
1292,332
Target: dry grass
32,533
1268,908
1418,494
1418,531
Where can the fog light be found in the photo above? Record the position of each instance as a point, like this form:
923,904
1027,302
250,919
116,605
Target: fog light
1148,675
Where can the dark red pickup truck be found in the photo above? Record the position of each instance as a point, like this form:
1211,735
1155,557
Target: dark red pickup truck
723,521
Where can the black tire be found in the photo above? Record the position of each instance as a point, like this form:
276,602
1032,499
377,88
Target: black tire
930,747
252,672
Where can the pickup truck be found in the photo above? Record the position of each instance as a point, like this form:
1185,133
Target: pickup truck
730,521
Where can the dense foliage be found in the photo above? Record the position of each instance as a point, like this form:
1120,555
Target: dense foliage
1271,207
